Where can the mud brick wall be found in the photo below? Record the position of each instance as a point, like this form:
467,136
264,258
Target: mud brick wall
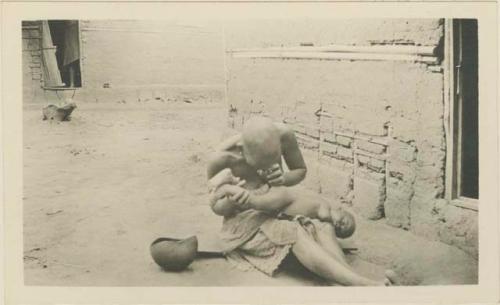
144,60
372,131
32,61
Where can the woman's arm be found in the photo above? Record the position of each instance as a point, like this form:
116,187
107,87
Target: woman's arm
293,157
222,206
294,176
229,143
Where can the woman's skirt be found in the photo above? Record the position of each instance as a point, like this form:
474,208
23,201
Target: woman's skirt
271,243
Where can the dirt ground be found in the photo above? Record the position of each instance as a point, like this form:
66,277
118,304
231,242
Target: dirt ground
100,188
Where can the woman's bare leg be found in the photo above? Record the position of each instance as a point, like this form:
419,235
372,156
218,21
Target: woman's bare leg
320,262
327,240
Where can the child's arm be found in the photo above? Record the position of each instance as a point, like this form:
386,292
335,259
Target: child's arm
275,200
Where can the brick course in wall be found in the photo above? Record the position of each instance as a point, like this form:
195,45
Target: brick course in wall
403,179
381,148
32,62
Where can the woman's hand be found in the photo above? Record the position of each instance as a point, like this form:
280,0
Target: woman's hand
275,175
238,195
241,199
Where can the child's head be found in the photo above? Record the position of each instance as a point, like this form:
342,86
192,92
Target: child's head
261,143
344,224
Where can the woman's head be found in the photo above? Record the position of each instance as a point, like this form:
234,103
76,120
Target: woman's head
261,143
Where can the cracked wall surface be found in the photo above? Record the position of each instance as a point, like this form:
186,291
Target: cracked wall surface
32,61
372,130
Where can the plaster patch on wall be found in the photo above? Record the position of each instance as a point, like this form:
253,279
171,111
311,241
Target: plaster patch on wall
382,119
369,194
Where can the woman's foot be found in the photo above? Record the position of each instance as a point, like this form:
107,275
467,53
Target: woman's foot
391,278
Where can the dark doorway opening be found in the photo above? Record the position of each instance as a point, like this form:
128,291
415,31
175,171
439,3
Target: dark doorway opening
466,99
66,38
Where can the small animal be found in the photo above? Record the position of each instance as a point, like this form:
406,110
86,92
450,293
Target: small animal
53,112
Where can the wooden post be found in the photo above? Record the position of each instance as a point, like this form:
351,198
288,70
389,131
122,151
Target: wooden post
380,49
449,110
320,149
52,76
388,155
337,56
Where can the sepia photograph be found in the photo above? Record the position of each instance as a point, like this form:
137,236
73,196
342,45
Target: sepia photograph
252,152
221,154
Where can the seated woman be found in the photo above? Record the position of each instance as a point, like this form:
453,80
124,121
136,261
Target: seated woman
251,232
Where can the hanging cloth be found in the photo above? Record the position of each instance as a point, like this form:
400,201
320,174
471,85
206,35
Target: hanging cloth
71,46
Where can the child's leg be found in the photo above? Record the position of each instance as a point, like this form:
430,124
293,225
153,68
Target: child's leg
225,176
319,261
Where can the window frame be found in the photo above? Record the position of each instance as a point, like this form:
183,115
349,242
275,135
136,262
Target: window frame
453,127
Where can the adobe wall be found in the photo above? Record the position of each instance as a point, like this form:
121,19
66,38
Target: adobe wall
138,60
32,62
381,145
141,60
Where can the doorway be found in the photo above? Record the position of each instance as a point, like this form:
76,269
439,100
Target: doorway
466,100
66,38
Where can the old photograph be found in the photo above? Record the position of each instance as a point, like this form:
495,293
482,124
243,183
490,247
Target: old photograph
260,152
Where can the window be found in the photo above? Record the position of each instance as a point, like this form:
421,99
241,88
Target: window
65,37
463,133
